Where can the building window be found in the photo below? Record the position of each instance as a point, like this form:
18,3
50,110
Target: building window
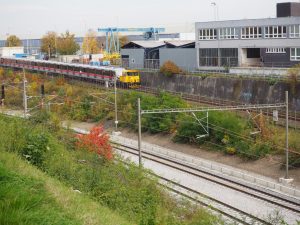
207,34
275,32
275,50
211,57
228,33
295,31
295,54
251,32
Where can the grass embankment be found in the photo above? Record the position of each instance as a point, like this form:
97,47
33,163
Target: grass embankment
29,196
229,132
123,188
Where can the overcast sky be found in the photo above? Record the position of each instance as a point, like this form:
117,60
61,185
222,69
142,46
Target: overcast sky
33,18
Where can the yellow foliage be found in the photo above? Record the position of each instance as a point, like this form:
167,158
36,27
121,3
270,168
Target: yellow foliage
1,73
90,43
16,80
230,150
69,91
169,68
225,140
34,87
266,133
60,81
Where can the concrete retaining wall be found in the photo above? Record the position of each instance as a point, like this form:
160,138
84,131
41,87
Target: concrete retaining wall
238,90
258,71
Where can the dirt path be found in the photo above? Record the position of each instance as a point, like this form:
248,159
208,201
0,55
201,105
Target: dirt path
269,166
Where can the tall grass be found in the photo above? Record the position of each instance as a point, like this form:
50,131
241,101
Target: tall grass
25,201
124,188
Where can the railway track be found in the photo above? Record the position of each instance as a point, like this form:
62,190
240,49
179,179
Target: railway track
276,199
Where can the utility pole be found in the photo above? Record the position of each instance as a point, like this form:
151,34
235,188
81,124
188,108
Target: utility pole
43,94
116,106
216,18
287,134
140,132
24,94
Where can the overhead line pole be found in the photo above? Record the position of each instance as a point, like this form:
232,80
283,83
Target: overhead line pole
287,135
116,107
24,94
140,132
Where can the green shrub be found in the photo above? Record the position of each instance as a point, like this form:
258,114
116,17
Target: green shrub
253,151
293,74
294,160
272,81
35,148
12,133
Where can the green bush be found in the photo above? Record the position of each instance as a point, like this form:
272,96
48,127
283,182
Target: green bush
221,124
253,151
35,148
294,160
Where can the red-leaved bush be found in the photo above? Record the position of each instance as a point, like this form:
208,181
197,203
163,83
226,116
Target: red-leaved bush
96,141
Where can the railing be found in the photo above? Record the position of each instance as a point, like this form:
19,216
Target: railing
216,61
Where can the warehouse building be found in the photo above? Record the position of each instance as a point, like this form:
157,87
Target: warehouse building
273,42
153,54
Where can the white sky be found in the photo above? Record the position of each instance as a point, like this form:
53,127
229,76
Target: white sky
33,18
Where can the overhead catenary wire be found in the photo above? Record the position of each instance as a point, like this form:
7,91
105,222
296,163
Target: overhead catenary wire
220,146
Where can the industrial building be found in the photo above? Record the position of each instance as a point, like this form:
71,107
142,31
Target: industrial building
269,42
152,54
273,42
33,46
11,51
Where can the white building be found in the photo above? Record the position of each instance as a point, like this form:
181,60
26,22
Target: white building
11,51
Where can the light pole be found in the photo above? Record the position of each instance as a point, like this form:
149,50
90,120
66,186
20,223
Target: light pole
216,18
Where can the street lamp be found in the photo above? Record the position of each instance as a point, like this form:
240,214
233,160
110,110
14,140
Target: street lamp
216,18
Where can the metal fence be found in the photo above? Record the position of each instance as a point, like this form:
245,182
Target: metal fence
151,63
215,61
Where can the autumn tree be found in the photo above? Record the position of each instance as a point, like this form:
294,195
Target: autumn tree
169,68
96,141
90,43
123,40
48,43
66,44
13,41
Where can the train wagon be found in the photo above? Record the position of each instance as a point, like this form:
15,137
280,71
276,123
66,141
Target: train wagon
125,78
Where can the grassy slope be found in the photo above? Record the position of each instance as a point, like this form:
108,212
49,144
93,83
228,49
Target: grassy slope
28,196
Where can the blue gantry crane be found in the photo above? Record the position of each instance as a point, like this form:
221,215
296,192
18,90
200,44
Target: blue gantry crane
112,35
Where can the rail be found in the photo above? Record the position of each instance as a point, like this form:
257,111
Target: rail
272,198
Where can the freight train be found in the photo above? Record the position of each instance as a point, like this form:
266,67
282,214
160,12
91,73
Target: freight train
125,78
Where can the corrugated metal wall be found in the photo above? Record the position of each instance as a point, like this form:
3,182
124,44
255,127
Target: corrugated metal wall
185,58
136,57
